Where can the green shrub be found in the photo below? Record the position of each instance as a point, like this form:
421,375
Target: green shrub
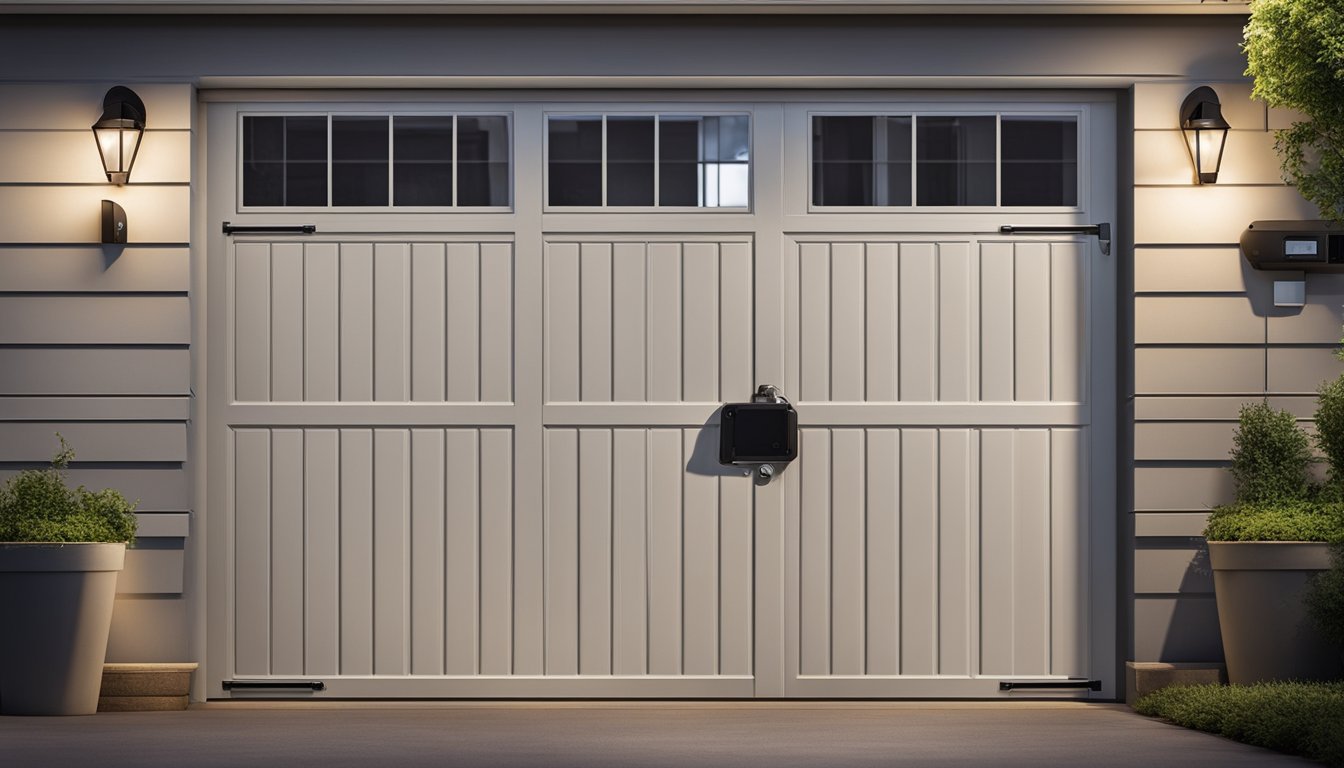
1295,52
1297,718
1298,520
1270,456
38,505
1330,432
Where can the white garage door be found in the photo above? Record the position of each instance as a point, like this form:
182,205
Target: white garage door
463,436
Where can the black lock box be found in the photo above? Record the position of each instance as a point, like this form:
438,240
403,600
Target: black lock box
758,433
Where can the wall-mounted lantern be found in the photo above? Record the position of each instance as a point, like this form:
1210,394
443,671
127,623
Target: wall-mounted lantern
1205,132
118,132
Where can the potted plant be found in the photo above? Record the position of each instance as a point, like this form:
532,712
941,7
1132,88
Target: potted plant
1270,549
60,551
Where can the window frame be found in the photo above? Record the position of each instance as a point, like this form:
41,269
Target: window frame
391,207
998,112
656,114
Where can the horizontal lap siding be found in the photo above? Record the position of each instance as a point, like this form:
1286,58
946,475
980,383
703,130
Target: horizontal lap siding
94,340
1207,340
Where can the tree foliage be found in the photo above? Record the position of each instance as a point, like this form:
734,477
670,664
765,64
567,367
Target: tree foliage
1295,52
37,505
1270,456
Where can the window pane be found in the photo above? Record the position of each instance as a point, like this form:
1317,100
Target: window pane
422,172
1040,160
264,161
629,161
860,160
483,160
956,160
704,161
359,161
574,162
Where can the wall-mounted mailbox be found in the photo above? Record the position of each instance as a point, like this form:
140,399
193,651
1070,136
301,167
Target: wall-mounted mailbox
764,431
1296,246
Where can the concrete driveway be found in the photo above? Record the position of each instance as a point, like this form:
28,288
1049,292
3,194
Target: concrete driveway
598,734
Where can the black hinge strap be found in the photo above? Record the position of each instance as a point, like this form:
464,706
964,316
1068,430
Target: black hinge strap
1102,231
274,685
296,229
1072,684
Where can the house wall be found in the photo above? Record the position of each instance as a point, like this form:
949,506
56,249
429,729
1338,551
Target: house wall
1207,339
100,347
95,340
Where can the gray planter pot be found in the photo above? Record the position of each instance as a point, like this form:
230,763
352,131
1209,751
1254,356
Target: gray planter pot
1267,634
56,607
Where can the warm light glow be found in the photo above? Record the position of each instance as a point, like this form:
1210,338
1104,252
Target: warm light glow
118,132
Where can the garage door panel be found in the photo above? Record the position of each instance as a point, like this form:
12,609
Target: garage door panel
648,320
373,322
648,561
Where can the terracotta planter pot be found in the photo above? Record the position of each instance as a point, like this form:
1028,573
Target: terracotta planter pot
1267,634
56,607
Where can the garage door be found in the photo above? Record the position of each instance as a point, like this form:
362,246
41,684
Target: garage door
463,428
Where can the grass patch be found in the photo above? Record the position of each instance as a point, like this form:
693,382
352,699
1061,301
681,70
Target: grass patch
1304,719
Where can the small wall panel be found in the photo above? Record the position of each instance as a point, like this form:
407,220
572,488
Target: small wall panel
1156,104
1183,441
73,214
1319,322
1161,157
69,157
84,371
1170,524
1172,571
94,320
91,269
1212,214
75,106
1177,629
1197,320
1181,488
103,441
149,629
1189,270
385,322
1299,369
1199,370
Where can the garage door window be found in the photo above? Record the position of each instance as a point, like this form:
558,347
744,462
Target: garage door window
648,161
944,161
375,161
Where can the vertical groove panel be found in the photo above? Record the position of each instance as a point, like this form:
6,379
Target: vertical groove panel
955,342
496,339
391,322
356,551
880,325
595,326
287,552
562,552
427,552
595,553
461,569
322,557
847,322
814,315
496,555
356,322
883,557
1068,321
463,270
630,509
391,551
996,322
252,534
919,322
814,558
847,552
919,551
286,322
428,322
1068,547
1031,325
996,551
1031,545
251,322
664,322
321,323
664,548
629,362
736,548
736,328
700,321
562,322
700,566
954,551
